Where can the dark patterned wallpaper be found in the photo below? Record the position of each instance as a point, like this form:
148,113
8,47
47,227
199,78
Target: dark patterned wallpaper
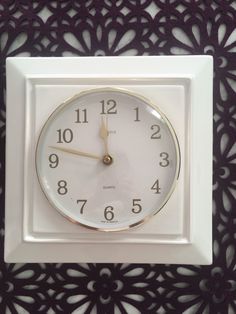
130,27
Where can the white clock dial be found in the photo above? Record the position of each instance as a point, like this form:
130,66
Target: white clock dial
107,159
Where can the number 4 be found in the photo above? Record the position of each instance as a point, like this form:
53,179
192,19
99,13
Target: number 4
156,187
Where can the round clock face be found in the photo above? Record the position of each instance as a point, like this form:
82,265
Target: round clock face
107,159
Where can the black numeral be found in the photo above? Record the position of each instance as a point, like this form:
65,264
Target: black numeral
108,213
136,206
165,161
156,134
156,187
65,136
136,114
62,187
53,160
81,116
82,204
108,107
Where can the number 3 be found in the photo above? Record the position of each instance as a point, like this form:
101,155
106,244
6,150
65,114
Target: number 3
165,161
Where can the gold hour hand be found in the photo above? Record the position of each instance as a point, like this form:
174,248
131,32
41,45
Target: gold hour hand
75,152
104,134
107,159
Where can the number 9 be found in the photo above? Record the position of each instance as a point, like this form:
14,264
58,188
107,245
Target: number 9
54,161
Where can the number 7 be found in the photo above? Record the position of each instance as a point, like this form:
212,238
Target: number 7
82,206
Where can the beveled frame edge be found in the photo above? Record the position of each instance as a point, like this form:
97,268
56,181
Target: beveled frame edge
202,159
29,236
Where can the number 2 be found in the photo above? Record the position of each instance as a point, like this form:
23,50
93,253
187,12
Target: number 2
156,134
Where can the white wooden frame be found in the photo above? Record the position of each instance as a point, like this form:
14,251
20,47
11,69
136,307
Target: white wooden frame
182,231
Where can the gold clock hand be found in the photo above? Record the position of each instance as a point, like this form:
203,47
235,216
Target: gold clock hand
104,134
76,152
107,159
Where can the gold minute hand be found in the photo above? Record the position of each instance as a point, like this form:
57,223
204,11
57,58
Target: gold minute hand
75,152
104,134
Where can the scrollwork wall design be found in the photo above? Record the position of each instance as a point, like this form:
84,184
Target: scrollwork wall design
130,27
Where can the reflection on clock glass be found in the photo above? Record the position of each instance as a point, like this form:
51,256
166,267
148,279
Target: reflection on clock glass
107,159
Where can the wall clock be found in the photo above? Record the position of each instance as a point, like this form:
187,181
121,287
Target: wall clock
108,159
114,159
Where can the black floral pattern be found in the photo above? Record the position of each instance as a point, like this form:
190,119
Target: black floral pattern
130,27
20,288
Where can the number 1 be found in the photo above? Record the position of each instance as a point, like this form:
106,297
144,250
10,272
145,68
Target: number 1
136,114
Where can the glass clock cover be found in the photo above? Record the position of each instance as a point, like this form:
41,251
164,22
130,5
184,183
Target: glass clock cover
107,159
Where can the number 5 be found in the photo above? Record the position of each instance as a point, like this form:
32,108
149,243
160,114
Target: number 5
136,206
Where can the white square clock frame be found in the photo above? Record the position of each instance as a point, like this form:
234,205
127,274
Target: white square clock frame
182,231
